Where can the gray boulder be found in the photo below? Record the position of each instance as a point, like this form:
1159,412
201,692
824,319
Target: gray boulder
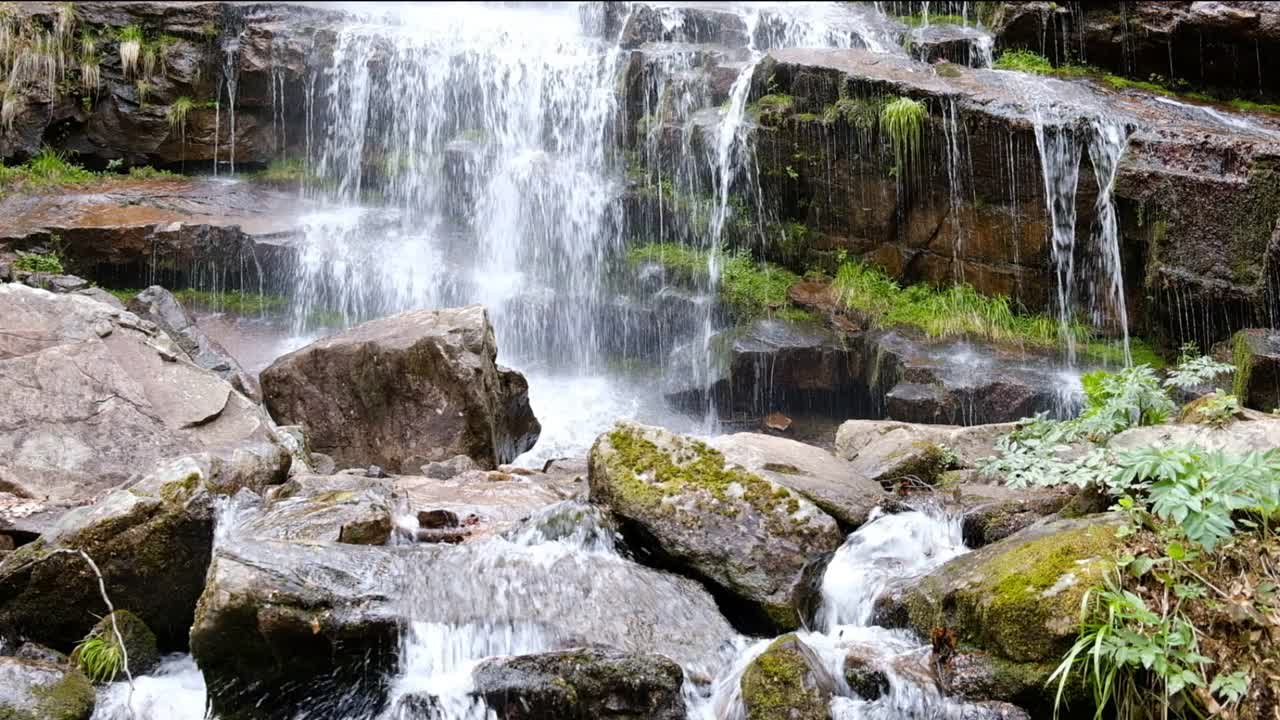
405,390
688,505
582,684
162,308
34,690
93,394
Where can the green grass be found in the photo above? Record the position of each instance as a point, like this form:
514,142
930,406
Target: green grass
146,172
101,658
902,119
48,168
282,172
684,261
238,302
39,263
753,288
1024,61
917,20
955,311
178,110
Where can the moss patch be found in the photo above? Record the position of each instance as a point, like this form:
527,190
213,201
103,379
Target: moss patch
780,685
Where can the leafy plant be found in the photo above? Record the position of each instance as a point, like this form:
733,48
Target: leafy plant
1132,658
1023,61
39,263
1194,370
101,658
1121,400
903,121
1218,410
48,167
131,40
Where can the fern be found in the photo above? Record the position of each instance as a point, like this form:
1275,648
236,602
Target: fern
1194,371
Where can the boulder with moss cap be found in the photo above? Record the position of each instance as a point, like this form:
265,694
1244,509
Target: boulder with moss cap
36,690
682,501
788,681
1017,600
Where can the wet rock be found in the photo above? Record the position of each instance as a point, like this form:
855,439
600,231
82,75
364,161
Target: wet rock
688,24
993,711
778,364
90,401
1256,354
746,535
304,621
102,296
788,681
994,512
1018,599
584,683
484,502
445,469
827,481
903,454
33,690
958,44
318,508
154,533
55,283
40,653
421,384
863,677
323,621
160,307
139,641
977,676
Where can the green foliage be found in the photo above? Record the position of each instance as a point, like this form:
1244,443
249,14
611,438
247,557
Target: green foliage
751,288
39,263
1024,61
177,112
1121,400
920,20
1120,639
100,657
146,172
238,302
685,262
1197,493
955,311
48,167
1194,370
861,113
282,171
130,39
903,121
1218,410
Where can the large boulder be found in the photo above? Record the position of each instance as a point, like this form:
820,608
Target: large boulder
788,681
1017,599
749,537
1258,432
1256,354
318,508
151,541
876,445
35,690
162,308
280,621
93,394
399,392
582,684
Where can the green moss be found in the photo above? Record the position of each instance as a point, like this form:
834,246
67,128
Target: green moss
71,698
947,70
643,475
179,491
753,288
1242,358
779,685
1024,61
773,108
861,113
288,171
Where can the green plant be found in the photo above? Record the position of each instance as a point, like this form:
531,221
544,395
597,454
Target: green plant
902,120
178,110
1121,643
753,288
130,38
39,263
282,171
48,167
143,87
90,72
101,658
1121,400
146,172
1218,410
1194,370
1024,61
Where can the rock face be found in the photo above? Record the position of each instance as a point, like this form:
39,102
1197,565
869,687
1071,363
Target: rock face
34,690
1204,44
1257,433
582,684
92,395
1257,359
695,509
788,681
119,122
155,533
162,308
405,390
317,508
1017,599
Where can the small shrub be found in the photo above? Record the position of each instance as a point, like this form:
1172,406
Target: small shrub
39,263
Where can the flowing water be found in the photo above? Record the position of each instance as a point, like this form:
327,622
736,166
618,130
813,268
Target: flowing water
467,154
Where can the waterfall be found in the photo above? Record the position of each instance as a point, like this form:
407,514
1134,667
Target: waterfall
1060,146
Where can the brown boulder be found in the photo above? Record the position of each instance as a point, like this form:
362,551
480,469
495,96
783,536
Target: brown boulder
398,392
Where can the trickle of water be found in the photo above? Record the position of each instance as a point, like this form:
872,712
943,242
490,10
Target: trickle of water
1060,169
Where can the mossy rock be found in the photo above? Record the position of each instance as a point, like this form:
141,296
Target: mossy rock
787,682
1018,598
139,641
747,536
33,690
